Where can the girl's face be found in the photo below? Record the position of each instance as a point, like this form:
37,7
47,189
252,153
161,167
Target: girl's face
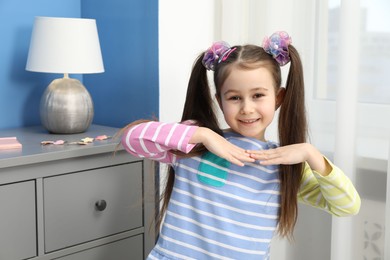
248,101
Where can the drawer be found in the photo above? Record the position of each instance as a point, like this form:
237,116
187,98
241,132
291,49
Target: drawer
126,249
18,221
71,215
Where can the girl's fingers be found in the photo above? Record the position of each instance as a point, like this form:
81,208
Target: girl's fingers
262,156
240,158
267,157
236,162
287,155
245,157
233,154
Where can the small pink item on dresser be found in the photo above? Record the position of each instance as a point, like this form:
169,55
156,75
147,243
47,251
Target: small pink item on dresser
9,143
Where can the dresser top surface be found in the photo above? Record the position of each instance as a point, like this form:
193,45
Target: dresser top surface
33,151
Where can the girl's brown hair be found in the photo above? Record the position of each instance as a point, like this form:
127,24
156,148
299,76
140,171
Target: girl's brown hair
292,125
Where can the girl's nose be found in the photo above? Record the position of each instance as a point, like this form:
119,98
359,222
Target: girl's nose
246,107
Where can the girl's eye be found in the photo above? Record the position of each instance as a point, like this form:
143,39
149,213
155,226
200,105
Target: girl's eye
234,98
258,95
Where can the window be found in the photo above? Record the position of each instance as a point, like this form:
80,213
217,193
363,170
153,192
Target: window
374,86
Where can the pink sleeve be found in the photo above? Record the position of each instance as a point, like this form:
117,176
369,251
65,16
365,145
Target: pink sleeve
155,140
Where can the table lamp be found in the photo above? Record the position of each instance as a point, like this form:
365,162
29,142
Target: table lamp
65,46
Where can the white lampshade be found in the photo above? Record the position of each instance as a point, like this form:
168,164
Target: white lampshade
64,45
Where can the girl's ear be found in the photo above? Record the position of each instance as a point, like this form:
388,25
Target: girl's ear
280,97
219,101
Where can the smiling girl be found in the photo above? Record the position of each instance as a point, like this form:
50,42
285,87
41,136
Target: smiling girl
229,191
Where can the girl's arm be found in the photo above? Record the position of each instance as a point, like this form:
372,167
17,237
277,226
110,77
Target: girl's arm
334,193
156,141
323,184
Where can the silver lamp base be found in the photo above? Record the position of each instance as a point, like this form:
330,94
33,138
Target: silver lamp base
66,107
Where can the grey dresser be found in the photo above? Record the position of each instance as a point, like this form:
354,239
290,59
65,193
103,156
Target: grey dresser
74,201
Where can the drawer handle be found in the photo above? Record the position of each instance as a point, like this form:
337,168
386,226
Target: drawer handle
100,205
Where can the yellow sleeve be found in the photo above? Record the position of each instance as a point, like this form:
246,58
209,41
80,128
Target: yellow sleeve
333,193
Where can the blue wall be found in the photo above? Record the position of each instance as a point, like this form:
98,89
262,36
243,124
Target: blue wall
128,32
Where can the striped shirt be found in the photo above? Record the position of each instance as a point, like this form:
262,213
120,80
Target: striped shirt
219,210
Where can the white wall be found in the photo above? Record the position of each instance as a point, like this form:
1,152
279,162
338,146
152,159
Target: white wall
182,36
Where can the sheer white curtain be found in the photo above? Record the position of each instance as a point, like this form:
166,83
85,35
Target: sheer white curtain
354,74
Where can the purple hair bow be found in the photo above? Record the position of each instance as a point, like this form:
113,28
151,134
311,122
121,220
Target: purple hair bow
277,46
214,54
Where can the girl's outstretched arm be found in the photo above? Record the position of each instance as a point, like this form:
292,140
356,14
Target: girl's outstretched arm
157,141
323,184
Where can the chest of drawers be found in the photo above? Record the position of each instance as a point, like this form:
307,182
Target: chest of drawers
74,201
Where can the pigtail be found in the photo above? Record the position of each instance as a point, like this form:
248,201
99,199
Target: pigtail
199,107
292,112
292,129
199,103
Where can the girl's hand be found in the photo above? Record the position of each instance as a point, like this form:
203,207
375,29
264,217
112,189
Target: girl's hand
219,146
293,154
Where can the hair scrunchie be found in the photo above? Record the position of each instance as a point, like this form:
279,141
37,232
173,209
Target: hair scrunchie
277,46
215,54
